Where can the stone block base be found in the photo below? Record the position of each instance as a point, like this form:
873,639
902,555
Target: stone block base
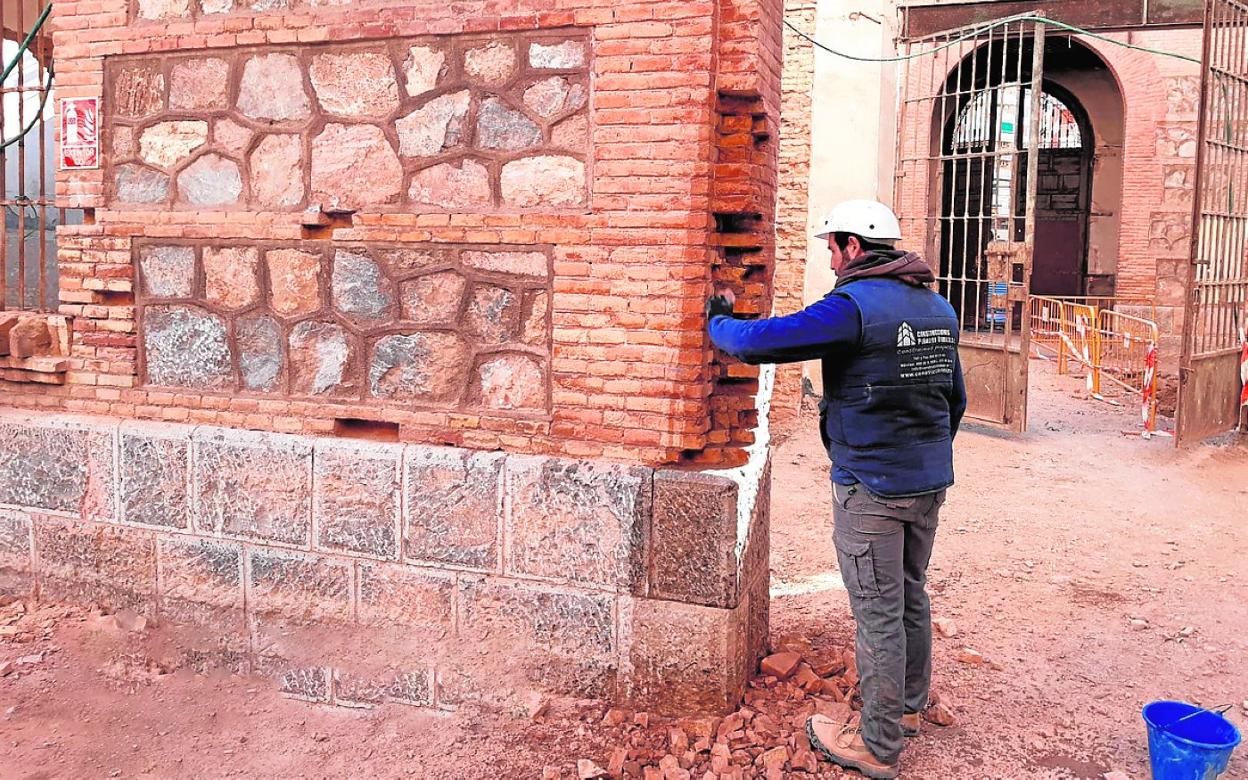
358,572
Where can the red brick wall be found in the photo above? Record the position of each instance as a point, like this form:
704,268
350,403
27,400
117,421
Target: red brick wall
671,158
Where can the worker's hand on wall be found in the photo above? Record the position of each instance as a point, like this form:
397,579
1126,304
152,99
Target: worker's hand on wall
720,304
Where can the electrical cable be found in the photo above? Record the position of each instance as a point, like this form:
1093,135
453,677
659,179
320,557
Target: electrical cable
988,27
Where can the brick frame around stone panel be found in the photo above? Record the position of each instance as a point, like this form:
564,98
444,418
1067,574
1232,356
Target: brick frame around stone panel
444,123
343,322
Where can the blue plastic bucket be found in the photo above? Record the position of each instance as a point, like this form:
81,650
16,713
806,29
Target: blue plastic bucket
1198,748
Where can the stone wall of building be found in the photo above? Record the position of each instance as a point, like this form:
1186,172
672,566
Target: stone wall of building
388,337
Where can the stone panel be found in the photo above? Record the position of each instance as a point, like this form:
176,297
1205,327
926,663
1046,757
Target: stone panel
250,484
534,264
96,564
211,180
235,138
433,299
454,186
16,575
167,271
138,91
272,88
500,127
510,381
435,126
544,181
492,64
360,289
428,366
360,85
418,601
199,84
155,480
669,674
261,353
354,166
185,346
355,501
137,184
453,507
422,69
693,541
582,521
230,276
493,314
166,144
559,56
58,465
294,281
413,687
201,583
276,171
320,353
291,598
536,638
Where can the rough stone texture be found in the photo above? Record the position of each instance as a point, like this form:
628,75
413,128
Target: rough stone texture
493,314
166,144
511,381
211,180
319,354
536,332
355,498
492,64
57,467
433,299
294,281
422,69
429,366
560,56
354,165
576,520
435,126
124,146
453,506
232,136
185,346
693,539
555,95
82,563
138,91
276,171
412,687
502,128
520,263
167,271
671,675
419,601
231,276
555,641
155,475
164,9
459,186
201,583
137,184
16,575
358,85
290,594
199,84
359,287
272,88
216,6
544,181
261,351
250,484
571,133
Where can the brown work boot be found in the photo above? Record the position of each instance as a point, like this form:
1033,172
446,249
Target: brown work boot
843,745
910,723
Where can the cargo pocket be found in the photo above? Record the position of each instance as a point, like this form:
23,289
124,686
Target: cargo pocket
857,568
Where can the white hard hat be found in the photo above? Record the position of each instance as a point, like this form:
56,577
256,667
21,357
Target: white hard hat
868,219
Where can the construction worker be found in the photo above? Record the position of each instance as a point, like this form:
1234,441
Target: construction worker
893,397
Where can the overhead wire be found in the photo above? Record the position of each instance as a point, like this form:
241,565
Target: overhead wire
973,32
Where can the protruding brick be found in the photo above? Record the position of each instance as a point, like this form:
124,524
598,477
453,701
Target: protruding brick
355,503
453,507
583,521
252,484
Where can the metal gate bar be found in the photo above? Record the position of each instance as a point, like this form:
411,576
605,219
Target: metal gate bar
970,118
27,280
1217,306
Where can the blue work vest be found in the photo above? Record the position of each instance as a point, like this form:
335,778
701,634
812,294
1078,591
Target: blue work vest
886,409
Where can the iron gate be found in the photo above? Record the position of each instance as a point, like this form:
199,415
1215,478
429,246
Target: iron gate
966,189
28,278
1216,314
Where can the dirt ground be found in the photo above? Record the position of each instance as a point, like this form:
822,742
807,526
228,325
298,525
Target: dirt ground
1093,571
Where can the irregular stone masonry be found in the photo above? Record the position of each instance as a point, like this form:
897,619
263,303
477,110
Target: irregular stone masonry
448,326
457,123
358,571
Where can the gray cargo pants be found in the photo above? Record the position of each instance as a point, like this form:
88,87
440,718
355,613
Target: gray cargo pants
883,546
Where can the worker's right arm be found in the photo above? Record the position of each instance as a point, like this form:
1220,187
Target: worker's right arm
827,326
